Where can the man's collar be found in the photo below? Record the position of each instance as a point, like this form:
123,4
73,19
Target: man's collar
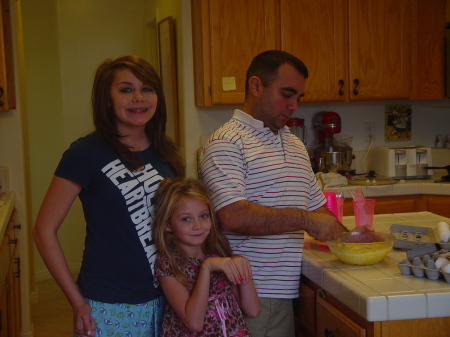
255,123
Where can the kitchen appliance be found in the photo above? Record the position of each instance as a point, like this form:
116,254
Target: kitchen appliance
445,178
403,162
298,128
333,152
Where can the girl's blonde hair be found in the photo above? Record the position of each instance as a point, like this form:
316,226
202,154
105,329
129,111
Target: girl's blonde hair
168,197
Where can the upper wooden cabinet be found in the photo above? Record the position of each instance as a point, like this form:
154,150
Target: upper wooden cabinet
354,49
7,81
428,56
317,33
227,35
379,49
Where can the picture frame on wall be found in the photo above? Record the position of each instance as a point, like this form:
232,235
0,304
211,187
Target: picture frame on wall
398,121
168,74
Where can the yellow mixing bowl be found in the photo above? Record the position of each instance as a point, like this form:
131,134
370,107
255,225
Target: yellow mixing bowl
361,249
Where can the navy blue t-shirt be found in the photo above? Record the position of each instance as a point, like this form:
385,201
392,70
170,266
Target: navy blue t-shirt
118,208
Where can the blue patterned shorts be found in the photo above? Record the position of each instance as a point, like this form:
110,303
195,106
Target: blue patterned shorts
128,320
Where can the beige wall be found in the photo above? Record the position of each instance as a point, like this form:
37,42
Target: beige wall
64,42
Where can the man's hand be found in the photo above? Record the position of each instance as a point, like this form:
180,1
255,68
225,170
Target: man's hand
324,226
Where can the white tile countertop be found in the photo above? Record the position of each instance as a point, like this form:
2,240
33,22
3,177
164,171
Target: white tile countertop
402,187
379,292
7,204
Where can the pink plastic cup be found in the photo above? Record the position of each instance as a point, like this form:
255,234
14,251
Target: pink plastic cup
363,211
335,204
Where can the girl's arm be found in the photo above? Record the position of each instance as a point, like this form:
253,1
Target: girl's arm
245,292
55,206
192,308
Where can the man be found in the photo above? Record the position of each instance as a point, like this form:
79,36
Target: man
264,190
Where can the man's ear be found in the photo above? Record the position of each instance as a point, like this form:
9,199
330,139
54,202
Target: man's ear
255,85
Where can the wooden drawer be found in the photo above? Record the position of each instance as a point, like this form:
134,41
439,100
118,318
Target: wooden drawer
389,204
331,322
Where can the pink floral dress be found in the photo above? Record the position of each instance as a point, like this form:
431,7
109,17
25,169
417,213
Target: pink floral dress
223,315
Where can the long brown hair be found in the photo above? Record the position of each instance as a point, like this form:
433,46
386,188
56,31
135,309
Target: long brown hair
105,121
167,197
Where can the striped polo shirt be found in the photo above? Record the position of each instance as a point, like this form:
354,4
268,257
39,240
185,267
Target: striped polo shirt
243,160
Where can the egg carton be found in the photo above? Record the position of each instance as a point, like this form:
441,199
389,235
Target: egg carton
412,237
427,265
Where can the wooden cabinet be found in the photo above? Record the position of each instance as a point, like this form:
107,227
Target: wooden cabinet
316,315
305,311
393,49
332,318
332,322
317,33
428,56
354,49
10,309
379,48
227,34
438,204
7,81
447,11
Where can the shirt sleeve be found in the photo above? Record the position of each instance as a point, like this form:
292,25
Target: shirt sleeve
78,162
162,267
222,168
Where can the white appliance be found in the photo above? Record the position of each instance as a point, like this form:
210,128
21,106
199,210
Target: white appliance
402,162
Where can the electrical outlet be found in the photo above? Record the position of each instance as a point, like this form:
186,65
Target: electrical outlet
369,132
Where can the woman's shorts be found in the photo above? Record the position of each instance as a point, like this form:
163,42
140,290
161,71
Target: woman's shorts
128,320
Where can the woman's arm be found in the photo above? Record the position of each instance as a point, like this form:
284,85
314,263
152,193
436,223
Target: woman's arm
55,206
192,308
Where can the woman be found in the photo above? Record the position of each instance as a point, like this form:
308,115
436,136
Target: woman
115,172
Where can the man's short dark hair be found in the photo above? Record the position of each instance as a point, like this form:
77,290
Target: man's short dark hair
265,66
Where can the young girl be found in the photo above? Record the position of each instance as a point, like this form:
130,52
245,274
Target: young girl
114,171
205,286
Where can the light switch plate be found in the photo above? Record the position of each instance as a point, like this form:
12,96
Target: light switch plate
4,179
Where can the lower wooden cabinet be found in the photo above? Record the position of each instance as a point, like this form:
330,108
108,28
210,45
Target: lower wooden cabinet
330,322
438,204
318,314
318,317
10,309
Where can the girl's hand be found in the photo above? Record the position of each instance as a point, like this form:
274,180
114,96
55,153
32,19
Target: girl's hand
243,266
84,325
225,265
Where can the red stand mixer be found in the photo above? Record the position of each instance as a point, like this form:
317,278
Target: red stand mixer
333,153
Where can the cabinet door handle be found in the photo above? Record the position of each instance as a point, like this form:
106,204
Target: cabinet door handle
356,91
328,333
17,273
13,241
341,92
19,226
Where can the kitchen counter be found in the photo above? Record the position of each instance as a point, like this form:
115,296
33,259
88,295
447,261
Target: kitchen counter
379,292
403,187
7,204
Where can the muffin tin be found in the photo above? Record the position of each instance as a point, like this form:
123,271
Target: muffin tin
425,265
